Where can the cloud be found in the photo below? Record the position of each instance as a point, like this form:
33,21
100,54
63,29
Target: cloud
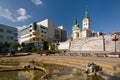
37,2
5,13
21,27
21,11
21,15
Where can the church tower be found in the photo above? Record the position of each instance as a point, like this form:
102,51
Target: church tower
86,32
86,21
75,29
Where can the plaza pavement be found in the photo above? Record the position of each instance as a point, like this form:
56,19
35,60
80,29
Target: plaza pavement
111,66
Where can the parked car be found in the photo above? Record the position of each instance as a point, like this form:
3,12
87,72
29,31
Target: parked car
114,54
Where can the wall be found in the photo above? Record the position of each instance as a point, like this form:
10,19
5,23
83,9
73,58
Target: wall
94,44
64,45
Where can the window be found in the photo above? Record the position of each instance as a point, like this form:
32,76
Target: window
1,36
8,31
41,31
30,25
33,39
30,35
42,27
44,32
1,30
8,37
30,30
11,38
42,35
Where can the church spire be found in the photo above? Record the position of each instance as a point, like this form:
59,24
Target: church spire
75,21
86,13
75,25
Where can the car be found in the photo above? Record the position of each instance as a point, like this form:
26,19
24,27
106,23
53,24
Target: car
114,54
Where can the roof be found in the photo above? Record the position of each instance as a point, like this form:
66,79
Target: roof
118,33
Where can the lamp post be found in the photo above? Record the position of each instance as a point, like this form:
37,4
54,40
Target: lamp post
115,39
103,42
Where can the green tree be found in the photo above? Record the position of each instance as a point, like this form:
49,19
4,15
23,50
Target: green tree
1,44
45,45
23,44
52,46
15,45
6,44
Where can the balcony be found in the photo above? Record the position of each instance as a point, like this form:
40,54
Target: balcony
35,32
35,40
35,36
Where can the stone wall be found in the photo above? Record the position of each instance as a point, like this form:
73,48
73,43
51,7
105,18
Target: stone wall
95,44
64,45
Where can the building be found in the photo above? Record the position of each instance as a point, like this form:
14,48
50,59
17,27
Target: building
54,33
84,39
8,34
44,30
63,33
85,31
34,33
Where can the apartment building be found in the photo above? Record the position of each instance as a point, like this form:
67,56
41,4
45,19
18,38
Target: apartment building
8,34
54,33
34,34
63,33
43,30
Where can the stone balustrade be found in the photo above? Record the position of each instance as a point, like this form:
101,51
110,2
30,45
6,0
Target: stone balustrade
94,44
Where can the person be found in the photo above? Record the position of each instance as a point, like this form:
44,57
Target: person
39,52
13,52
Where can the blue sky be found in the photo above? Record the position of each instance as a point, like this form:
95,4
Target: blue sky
104,14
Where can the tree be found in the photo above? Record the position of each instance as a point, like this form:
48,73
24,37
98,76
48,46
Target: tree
52,46
7,44
45,45
1,44
23,44
15,45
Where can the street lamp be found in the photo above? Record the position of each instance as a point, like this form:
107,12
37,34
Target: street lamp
103,42
115,39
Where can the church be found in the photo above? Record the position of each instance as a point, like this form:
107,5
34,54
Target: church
84,39
85,31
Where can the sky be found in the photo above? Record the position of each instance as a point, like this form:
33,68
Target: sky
104,14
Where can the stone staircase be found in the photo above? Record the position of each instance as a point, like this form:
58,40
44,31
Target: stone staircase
94,44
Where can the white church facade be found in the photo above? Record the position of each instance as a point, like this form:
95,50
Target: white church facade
84,39
85,31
